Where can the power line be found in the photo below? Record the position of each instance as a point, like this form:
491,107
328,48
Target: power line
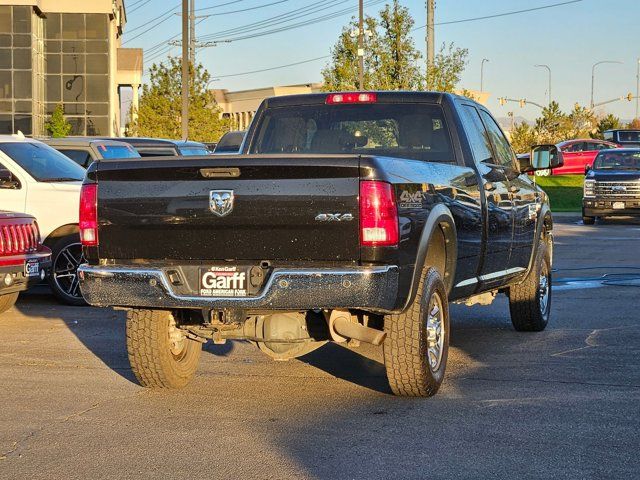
515,12
280,18
442,23
139,6
273,68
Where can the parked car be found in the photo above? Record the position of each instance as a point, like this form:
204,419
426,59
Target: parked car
83,150
160,147
612,185
577,154
623,138
347,216
24,261
230,143
39,180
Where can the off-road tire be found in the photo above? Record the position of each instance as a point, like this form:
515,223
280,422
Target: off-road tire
7,301
149,349
405,349
527,312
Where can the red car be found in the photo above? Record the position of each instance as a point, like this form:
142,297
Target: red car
24,261
579,153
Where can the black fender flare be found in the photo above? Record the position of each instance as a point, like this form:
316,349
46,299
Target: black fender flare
545,219
439,217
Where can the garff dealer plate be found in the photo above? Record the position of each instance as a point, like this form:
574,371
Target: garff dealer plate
223,282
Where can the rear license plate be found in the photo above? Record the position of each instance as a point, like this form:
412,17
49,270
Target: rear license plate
223,282
618,205
32,268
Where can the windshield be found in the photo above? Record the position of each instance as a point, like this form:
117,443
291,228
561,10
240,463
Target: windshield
42,162
191,151
629,136
415,131
117,151
617,160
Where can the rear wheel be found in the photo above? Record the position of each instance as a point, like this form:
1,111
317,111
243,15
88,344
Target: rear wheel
66,257
160,354
530,301
7,301
417,343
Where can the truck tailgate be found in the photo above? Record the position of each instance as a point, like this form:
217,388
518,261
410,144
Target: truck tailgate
176,208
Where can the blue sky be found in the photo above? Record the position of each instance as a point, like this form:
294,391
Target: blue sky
568,38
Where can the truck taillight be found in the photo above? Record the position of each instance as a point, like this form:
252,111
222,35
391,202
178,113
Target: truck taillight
89,215
351,97
378,214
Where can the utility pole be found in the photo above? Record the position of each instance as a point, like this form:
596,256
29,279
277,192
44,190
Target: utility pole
185,69
430,40
192,32
361,45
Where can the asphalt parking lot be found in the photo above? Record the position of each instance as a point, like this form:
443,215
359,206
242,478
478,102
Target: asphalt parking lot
564,403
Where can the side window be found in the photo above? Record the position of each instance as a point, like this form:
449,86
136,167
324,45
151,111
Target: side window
7,179
81,157
476,134
503,151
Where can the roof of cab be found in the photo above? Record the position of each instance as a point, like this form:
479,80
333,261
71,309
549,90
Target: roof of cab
382,97
81,141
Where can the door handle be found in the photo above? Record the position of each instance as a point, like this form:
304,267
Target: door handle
489,187
514,189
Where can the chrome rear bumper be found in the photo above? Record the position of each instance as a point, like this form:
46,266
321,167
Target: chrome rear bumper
369,288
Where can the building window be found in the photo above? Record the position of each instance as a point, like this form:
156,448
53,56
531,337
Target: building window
18,31
77,67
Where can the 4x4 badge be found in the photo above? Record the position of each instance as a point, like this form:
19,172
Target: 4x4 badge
221,202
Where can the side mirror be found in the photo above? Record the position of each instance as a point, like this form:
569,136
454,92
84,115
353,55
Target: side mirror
6,179
587,169
542,157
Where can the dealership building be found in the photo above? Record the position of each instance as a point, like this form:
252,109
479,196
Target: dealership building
64,52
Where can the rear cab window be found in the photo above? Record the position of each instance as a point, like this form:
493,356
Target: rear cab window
410,130
117,151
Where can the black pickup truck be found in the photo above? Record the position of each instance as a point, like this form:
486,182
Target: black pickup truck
612,185
347,217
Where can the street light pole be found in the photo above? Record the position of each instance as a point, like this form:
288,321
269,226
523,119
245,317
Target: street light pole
549,70
593,75
482,74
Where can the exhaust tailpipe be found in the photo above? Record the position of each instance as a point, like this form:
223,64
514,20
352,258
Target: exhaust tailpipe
342,328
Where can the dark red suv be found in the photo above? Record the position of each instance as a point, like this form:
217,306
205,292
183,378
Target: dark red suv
24,261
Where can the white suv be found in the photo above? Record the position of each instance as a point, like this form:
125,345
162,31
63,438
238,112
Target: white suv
36,179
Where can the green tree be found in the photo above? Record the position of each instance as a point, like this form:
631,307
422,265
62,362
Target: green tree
57,126
160,106
582,122
522,137
448,65
632,125
391,60
399,68
553,125
606,123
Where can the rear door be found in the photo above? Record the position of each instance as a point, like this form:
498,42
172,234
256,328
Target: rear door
245,208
